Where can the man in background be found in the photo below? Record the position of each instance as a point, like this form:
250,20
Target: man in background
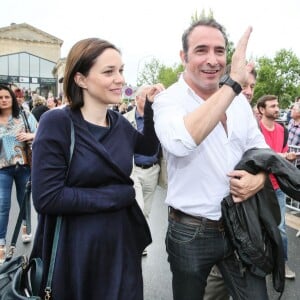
146,169
276,137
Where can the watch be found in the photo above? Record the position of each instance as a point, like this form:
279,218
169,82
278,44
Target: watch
225,79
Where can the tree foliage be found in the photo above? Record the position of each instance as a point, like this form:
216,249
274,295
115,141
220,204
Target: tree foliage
149,74
279,76
168,75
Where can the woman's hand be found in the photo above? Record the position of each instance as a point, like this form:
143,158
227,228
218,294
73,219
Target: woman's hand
154,90
25,136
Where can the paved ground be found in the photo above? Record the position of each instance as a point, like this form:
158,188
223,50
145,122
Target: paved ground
157,276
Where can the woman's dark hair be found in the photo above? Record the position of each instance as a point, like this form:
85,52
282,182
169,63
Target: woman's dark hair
81,58
208,22
15,105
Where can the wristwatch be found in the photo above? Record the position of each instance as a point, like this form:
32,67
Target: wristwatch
225,79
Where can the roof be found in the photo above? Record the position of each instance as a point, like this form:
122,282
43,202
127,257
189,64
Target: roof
27,32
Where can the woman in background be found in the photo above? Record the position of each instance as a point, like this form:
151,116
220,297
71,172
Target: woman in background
39,106
14,165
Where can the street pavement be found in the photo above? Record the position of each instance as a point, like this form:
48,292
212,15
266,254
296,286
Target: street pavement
156,271
157,276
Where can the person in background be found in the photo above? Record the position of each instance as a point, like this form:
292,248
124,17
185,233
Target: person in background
248,87
294,125
39,106
294,133
204,130
104,232
256,113
51,103
21,99
122,108
146,168
215,288
131,105
274,134
14,166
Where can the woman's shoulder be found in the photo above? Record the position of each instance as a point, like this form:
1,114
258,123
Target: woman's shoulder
56,115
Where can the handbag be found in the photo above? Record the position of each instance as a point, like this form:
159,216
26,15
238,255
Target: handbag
18,273
21,279
28,144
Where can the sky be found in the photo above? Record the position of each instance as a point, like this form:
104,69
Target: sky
144,30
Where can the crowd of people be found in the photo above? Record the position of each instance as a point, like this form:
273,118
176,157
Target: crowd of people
103,187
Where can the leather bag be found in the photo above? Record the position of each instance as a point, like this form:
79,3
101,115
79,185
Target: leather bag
28,145
20,279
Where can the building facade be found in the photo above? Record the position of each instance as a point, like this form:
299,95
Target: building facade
30,59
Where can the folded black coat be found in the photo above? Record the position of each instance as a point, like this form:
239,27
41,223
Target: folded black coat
252,225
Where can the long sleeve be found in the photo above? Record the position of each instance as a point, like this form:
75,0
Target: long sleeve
97,189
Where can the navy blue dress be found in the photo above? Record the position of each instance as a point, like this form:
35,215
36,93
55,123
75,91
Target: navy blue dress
104,231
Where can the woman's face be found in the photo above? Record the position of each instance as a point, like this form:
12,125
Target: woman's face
5,100
105,79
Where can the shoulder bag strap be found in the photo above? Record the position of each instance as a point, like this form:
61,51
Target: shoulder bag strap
25,119
16,232
58,225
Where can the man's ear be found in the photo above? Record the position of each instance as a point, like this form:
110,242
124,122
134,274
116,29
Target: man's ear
80,80
183,57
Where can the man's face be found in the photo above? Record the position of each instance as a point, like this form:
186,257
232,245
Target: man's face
271,111
295,113
248,89
205,60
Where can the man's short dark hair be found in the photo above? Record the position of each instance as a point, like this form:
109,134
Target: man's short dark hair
261,102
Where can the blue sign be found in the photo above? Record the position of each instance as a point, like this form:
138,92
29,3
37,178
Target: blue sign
128,91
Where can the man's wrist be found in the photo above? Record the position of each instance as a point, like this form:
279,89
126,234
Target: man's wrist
226,79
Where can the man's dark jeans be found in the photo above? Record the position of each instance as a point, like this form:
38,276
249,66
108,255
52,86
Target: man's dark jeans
194,249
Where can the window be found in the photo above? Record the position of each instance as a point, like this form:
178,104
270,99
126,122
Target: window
13,69
46,68
34,66
24,64
4,65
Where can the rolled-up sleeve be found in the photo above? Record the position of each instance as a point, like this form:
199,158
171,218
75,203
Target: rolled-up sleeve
170,127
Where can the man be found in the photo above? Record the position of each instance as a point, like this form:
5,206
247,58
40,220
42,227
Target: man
204,131
146,168
274,134
216,289
294,125
131,105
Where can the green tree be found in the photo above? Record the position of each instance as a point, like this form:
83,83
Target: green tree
196,17
154,72
279,76
168,75
149,73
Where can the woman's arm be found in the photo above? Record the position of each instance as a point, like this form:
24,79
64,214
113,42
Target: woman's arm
51,195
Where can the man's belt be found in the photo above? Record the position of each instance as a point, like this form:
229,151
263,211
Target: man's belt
184,218
146,166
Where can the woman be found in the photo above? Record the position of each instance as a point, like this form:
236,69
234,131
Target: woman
39,106
13,159
103,230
